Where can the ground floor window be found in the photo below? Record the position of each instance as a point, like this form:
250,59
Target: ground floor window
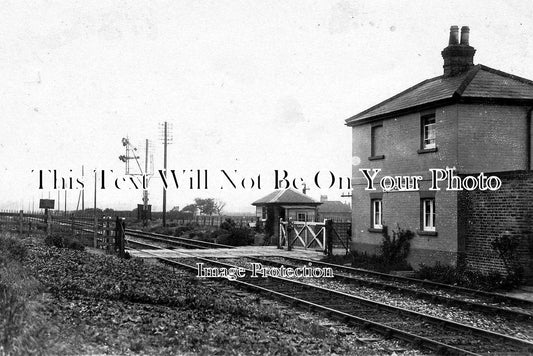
301,217
264,213
377,214
428,214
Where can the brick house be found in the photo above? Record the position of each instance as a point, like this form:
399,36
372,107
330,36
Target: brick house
472,118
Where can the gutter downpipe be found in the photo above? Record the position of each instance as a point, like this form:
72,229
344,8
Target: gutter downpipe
528,139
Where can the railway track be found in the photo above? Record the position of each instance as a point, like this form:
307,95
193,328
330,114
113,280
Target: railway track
440,335
524,308
167,240
172,240
506,308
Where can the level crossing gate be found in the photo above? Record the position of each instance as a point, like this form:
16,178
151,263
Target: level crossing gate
306,234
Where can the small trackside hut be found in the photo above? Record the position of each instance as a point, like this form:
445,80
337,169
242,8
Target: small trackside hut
284,204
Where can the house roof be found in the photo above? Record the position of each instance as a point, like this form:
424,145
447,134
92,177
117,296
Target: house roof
333,206
480,82
285,196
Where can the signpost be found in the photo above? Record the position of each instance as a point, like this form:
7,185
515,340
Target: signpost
47,204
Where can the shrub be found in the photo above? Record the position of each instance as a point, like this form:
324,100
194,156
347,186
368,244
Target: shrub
64,242
395,249
462,276
54,240
192,225
181,230
230,234
21,326
267,240
507,247
228,224
368,261
12,248
73,244
393,253
259,227
202,236
233,235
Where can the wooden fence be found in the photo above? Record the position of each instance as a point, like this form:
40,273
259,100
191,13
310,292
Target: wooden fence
101,232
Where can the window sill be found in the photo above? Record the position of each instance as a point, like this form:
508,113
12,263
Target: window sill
427,150
373,229
375,158
426,233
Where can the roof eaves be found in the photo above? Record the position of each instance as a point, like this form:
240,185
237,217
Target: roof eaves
354,118
405,111
495,101
504,74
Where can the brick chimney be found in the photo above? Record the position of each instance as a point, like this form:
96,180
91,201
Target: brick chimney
458,56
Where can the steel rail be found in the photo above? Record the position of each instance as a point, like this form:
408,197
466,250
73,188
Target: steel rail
495,297
520,315
302,293
174,239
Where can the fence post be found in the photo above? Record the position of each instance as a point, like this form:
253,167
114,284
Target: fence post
280,227
48,222
328,244
106,233
95,231
120,235
72,224
290,227
21,217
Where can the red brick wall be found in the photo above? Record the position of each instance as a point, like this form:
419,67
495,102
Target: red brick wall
492,138
473,138
485,215
402,136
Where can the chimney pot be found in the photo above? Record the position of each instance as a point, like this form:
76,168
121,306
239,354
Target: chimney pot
458,58
465,34
454,35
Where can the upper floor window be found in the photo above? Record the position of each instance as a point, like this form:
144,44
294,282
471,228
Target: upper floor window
377,142
428,132
264,213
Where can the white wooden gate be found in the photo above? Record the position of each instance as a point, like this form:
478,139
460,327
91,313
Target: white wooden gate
302,234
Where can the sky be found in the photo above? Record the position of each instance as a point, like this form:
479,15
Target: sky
248,88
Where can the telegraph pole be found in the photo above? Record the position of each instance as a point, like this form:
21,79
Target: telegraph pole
165,170
82,191
94,212
145,191
166,140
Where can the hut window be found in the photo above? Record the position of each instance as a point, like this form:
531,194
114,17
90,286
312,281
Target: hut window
301,217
